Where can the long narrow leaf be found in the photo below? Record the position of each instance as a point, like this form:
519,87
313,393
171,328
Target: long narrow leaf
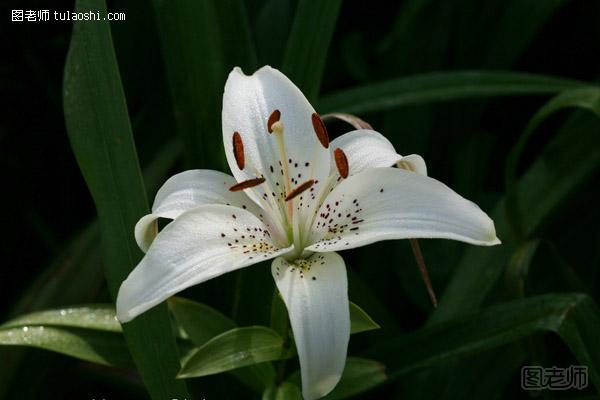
100,134
308,43
574,317
198,52
441,86
101,347
587,98
544,186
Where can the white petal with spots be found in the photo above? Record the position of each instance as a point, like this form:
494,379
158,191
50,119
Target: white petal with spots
190,189
315,292
248,102
390,203
202,243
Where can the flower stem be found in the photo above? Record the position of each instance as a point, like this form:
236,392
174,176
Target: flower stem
414,244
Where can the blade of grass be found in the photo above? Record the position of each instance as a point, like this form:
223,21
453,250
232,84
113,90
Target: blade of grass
193,57
587,98
480,268
308,43
441,86
100,134
198,51
515,28
574,317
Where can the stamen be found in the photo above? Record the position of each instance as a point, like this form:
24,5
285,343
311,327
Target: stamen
274,117
238,150
341,162
303,187
246,184
320,130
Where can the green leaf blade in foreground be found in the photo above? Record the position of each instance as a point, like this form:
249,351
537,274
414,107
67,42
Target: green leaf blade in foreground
574,317
284,391
200,323
308,44
95,316
236,348
100,134
101,347
441,86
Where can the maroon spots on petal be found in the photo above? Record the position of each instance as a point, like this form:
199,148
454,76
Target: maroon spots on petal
274,117
320,130
246,184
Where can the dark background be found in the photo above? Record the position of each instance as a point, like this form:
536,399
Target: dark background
45,203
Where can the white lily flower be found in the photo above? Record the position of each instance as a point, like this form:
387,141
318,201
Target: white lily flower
295,198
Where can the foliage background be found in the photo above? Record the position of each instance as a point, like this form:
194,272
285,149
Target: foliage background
176,55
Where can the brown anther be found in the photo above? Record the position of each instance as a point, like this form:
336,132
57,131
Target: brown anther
238,150
246,184
274,117
320,130
341,162
303,187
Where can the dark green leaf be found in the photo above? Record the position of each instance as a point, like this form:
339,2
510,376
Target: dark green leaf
284,391
195,73
360,375
515,28
441,86
308,43
236,348
100,134
587,98
360,321
198,321
544,186
198,52
574,317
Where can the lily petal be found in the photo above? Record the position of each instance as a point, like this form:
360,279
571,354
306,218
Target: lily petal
365,149
202,243
391,203
187,190
248,104
315,292
414,163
